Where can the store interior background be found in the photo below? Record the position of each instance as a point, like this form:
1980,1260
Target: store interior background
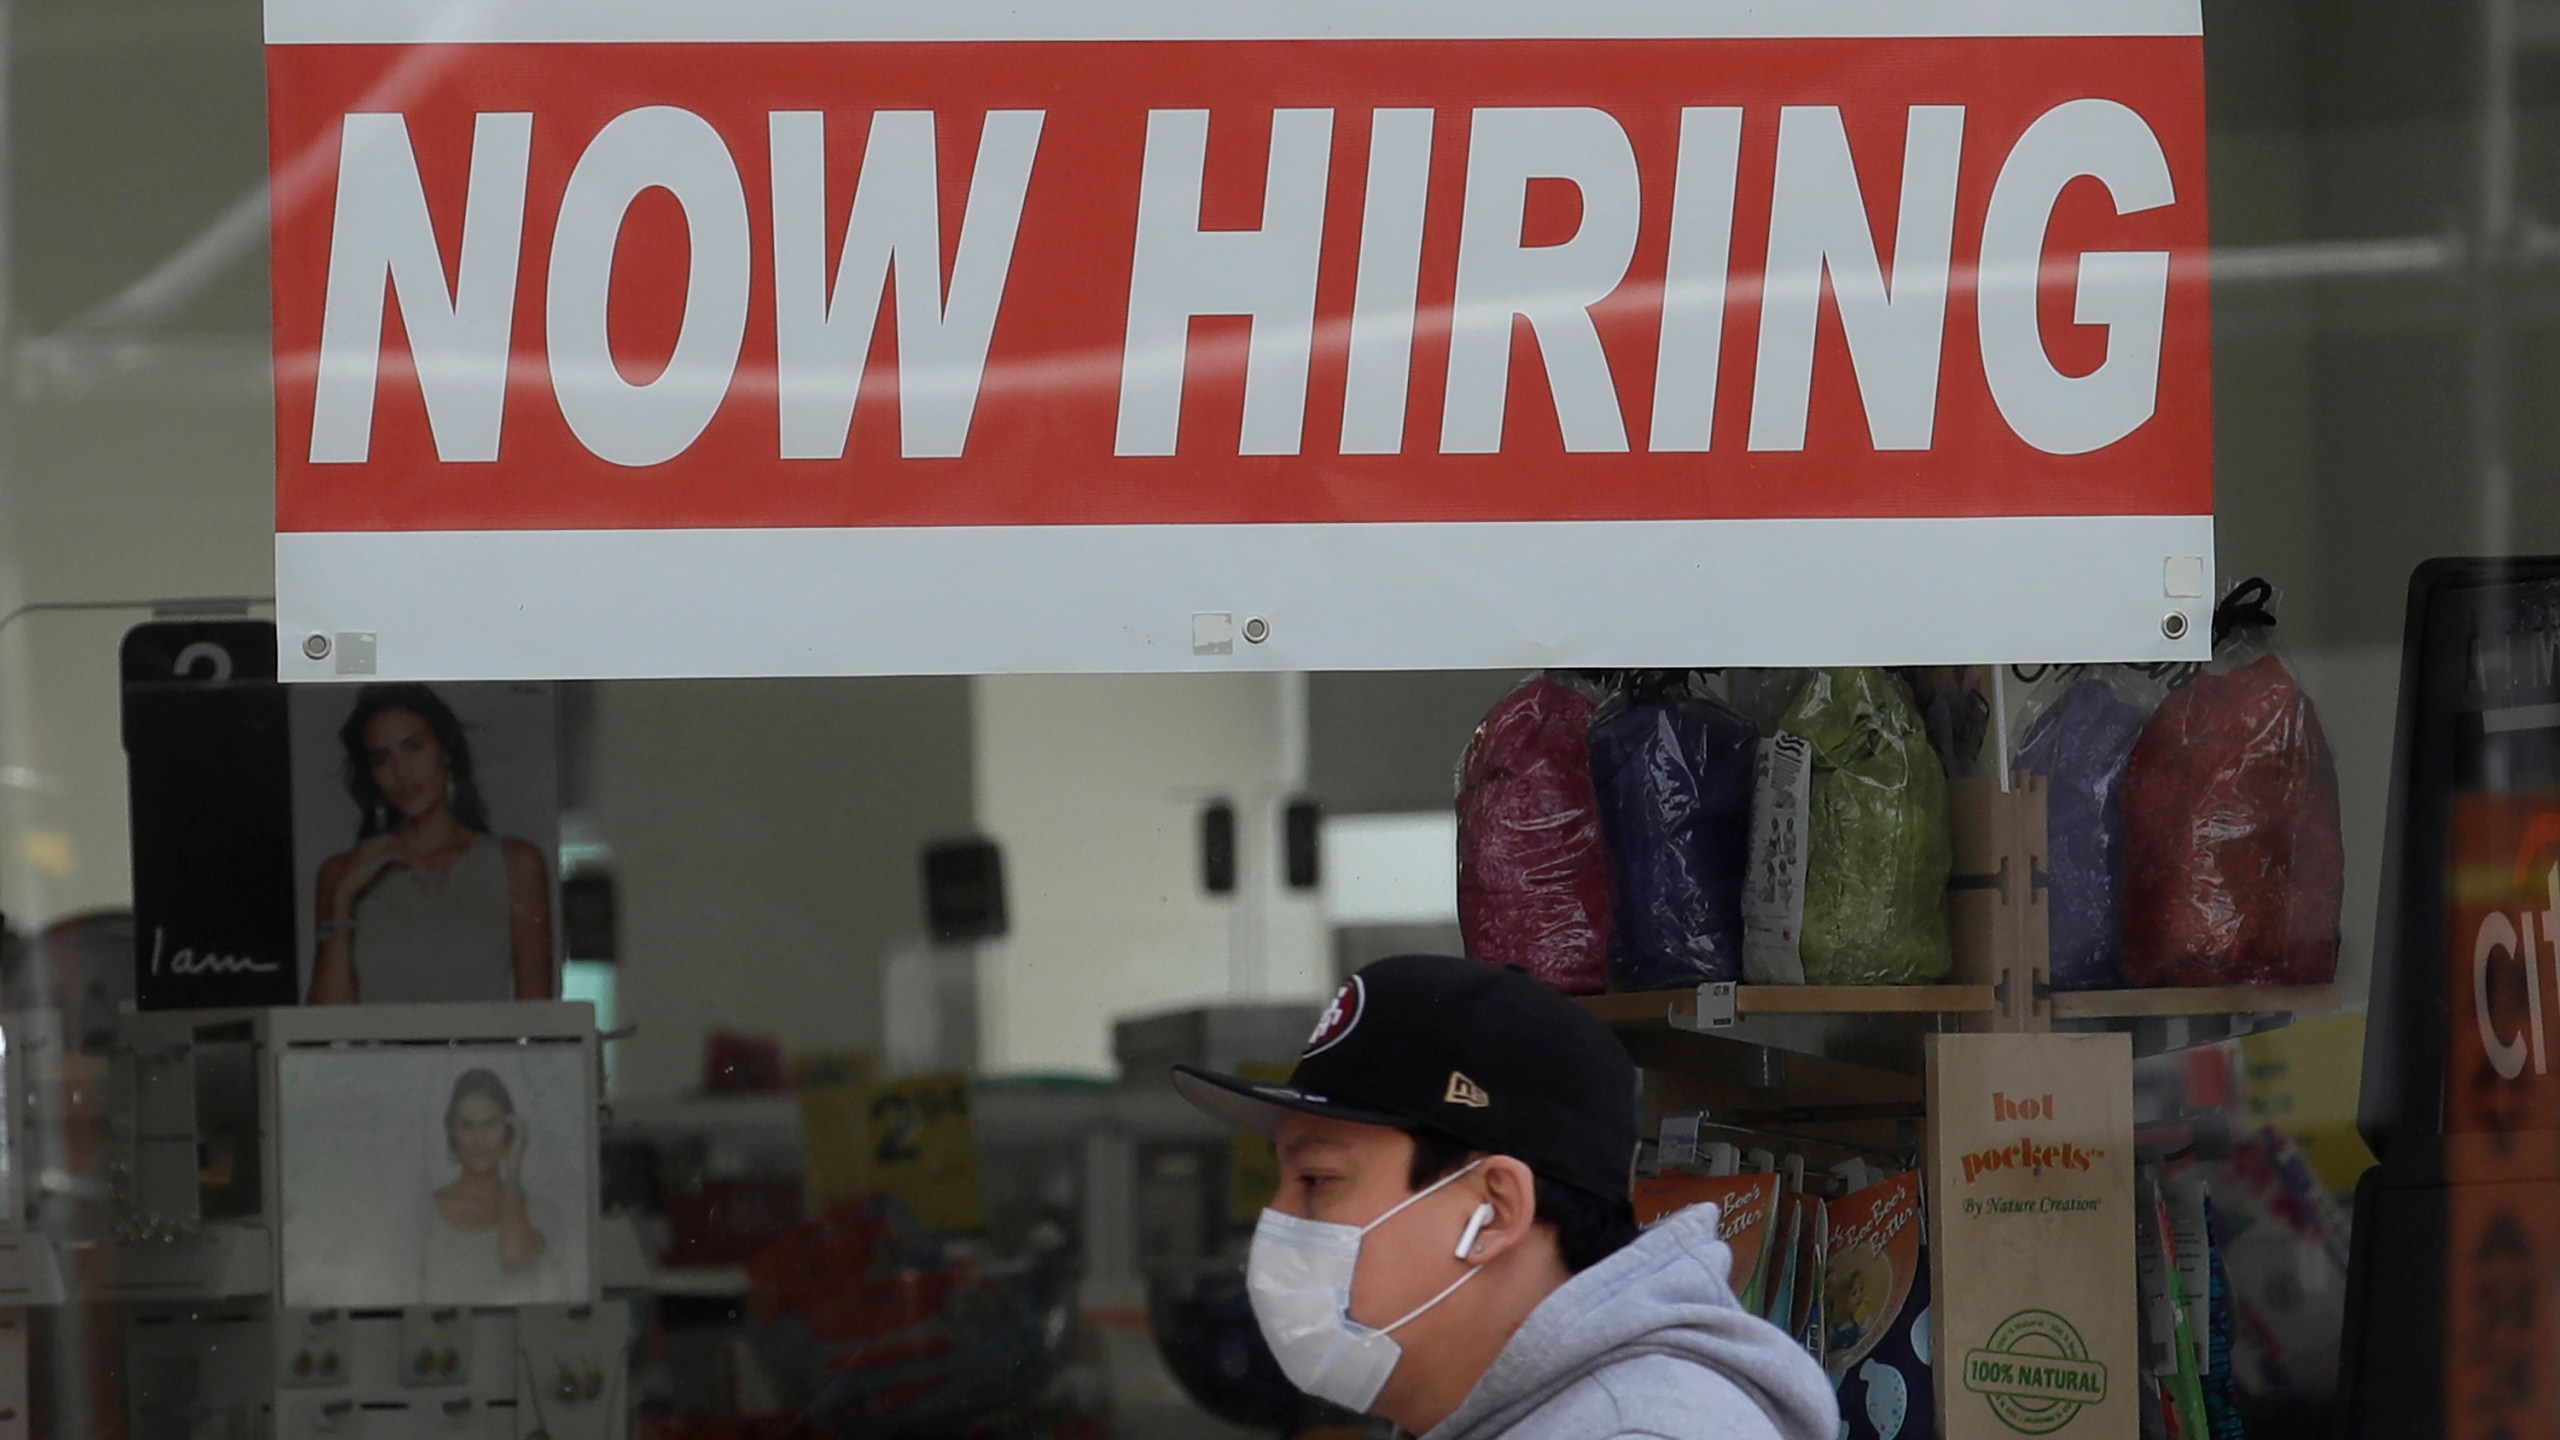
764,835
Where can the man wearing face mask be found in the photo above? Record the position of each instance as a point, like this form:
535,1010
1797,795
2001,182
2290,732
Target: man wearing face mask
1452,1246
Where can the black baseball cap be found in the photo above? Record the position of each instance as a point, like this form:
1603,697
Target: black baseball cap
1480,1052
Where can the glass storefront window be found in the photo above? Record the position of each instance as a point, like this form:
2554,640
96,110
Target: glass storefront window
791,1051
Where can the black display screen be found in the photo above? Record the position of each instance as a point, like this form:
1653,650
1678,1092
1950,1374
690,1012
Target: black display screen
2479,716
2457,1231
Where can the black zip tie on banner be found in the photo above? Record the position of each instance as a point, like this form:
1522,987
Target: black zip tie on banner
1647,687
2244,607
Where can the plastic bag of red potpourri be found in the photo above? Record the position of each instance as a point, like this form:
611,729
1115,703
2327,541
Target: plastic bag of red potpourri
1675,772
2233,866
1533,868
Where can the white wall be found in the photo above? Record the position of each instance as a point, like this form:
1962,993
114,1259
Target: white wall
1093,784
1386,742
2357,692
129,491
766,839
126,470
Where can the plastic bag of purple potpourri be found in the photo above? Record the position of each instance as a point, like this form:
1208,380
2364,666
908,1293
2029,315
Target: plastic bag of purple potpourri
2079,743
1674,771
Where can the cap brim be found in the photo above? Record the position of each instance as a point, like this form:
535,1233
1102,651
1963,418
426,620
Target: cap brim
1257,1108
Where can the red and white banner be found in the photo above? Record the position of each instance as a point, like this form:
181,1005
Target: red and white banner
645,337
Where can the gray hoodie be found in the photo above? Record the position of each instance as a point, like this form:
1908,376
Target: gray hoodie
1650,1343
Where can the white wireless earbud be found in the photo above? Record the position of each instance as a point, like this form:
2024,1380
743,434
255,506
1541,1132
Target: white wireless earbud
1475,1227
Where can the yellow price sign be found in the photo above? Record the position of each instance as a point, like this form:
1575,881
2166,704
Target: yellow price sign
833,1087
912,1138
2303,1081
925,1151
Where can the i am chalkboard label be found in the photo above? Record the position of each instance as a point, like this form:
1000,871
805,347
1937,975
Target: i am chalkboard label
209,766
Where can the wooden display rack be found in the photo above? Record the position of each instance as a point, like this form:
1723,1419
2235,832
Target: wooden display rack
2035,1332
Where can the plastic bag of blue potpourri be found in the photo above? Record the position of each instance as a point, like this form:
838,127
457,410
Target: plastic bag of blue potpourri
1674,774
2079,742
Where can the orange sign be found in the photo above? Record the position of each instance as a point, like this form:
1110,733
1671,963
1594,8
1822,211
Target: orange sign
2502,1117
2503,900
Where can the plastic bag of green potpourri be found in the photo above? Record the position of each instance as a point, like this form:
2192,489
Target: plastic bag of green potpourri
1876,841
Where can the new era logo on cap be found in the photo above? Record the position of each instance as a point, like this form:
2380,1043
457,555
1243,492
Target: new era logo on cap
1463,1091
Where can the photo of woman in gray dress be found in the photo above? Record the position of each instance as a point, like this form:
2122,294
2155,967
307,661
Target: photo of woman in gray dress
428,905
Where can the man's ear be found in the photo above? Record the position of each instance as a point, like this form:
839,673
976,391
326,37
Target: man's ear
1511,1191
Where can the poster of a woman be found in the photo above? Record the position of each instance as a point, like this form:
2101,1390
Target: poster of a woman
436,1175
426,897
483,1236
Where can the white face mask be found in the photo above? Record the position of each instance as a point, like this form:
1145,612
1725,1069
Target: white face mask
1299,1277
